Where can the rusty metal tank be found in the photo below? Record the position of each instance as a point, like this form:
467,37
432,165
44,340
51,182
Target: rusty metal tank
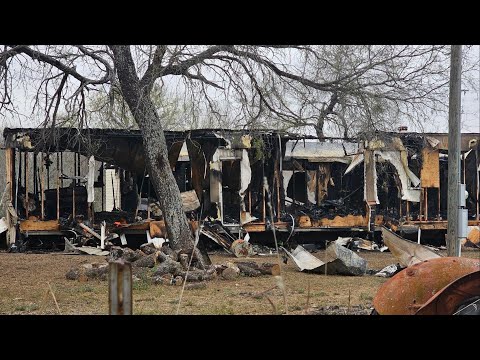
413,287
456,295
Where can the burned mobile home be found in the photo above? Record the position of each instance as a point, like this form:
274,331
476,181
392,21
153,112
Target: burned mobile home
316,187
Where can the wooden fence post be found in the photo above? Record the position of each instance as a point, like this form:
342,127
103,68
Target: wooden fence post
120,288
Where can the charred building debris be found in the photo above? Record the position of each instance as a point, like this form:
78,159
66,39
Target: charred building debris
346,186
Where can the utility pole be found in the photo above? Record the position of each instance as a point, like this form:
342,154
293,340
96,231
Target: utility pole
477,162
454,105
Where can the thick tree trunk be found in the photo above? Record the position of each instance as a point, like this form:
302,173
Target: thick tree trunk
137,96
265,268
248,270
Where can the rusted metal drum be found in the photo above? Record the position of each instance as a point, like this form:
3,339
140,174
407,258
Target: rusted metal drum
412,288
448,300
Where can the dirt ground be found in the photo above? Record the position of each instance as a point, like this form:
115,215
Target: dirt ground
26,279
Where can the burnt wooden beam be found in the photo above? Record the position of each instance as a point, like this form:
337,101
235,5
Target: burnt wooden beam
42,188
61,167
47,164
58,194
35,184
26,185
477,163
10,172
19,179
78,168
74,167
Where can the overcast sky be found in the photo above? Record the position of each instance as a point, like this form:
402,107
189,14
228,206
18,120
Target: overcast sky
470,119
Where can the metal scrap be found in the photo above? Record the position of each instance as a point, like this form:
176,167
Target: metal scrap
357,159
357,243
89,250
398,160
303,259
342,261
389,271
320,151
406,252
3,225
212,233
449,300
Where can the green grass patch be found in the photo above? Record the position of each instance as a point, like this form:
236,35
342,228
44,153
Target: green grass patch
140,285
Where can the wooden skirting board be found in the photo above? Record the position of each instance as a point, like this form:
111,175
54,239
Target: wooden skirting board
39,225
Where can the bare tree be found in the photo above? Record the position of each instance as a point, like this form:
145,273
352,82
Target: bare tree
349,88
111,110
354,89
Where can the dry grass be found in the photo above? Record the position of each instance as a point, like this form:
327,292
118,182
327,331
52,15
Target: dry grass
24,289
